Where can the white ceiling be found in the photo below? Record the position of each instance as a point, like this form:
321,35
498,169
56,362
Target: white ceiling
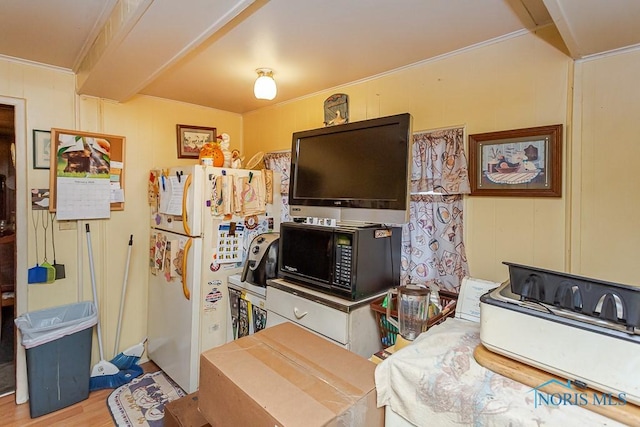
206,51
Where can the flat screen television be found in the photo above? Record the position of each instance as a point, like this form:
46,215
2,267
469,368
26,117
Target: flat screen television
353,172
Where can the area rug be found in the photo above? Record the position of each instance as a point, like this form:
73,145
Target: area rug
141,402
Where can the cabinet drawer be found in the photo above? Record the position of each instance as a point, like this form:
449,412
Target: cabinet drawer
274,319
310,314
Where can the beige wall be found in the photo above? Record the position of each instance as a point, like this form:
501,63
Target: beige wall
517,83
605,229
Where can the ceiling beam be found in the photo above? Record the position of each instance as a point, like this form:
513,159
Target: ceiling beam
142,38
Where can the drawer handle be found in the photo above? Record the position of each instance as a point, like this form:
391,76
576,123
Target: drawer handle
298,313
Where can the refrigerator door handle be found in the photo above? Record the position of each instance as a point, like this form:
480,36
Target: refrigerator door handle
185,224
185,289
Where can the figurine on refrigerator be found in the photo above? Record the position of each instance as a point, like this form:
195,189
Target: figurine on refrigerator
224,146
236,159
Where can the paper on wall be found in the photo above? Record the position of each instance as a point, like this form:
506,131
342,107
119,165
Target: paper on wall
117,193
83,198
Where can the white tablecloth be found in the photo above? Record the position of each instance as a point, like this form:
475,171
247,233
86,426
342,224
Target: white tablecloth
436,381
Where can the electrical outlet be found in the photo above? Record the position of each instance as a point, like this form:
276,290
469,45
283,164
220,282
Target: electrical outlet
67,225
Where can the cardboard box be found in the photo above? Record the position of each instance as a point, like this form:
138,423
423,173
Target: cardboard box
287,376
184,412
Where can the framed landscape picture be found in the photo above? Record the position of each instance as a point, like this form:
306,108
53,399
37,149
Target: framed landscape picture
519,163
192,138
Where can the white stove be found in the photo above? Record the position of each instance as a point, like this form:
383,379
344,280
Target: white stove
578,328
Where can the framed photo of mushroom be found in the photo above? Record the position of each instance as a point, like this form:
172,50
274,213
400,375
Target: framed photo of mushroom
86,174
192,138
517,163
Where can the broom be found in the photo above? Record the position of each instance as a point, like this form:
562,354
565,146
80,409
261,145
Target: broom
129,357
105,374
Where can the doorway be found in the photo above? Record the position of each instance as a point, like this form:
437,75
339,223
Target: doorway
7,249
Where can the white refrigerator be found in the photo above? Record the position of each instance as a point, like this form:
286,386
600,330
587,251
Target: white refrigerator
194,247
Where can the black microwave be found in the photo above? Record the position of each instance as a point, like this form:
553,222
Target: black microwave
351,262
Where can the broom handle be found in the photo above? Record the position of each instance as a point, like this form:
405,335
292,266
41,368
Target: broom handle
124,291
93,288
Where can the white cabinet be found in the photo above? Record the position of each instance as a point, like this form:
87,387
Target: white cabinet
350,324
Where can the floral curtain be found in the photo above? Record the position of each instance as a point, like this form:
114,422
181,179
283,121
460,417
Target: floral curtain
281,162
432,245
439,162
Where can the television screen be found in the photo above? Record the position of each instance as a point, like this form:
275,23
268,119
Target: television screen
360,165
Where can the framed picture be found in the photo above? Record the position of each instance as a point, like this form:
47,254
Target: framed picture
519,163
336,109
41,149
192,138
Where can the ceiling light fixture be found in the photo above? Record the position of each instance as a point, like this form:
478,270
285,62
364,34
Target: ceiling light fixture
265,86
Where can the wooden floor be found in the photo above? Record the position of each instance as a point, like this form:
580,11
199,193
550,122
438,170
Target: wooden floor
91,412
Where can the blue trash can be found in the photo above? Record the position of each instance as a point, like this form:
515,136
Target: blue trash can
57,343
